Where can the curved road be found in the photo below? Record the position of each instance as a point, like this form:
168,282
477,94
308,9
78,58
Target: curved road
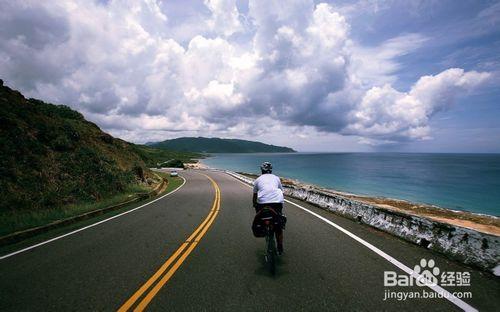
219,264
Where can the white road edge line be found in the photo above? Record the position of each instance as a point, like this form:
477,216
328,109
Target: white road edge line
443,292
91,225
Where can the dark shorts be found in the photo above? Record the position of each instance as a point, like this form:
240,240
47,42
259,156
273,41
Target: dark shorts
278,207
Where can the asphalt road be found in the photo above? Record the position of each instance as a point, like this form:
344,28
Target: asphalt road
220,267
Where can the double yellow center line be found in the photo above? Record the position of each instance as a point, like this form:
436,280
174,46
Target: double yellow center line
167,270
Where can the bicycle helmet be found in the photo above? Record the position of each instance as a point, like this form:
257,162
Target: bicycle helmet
266,167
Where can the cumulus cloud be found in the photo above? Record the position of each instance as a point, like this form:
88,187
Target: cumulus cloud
287,67
225,17
387,114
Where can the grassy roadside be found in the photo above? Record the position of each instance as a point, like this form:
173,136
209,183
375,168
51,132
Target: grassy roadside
13,221
173,184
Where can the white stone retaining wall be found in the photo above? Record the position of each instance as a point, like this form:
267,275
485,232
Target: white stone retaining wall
465,245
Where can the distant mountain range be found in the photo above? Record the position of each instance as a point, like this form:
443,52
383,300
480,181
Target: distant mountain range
218,145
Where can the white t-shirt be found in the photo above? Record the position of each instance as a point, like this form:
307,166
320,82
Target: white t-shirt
268,188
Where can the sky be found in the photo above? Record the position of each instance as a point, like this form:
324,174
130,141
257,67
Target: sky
333,76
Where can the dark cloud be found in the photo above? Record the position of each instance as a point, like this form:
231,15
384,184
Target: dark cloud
27,36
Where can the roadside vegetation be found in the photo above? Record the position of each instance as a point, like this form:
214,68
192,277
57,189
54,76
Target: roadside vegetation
14,221
153,157
53,162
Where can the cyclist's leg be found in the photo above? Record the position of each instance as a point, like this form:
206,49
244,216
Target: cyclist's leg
279,232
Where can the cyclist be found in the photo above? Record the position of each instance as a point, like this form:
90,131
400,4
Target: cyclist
268,192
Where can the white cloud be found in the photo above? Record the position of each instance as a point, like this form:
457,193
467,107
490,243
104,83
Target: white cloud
329,27
385,113
378,65
291,67
225,17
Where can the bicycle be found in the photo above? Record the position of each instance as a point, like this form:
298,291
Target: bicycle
269,221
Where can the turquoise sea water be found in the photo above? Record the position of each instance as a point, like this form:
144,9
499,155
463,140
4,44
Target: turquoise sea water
457,181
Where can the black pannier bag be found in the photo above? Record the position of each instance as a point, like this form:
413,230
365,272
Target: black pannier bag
258,225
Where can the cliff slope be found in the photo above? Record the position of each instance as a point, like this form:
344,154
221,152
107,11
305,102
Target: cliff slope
51,156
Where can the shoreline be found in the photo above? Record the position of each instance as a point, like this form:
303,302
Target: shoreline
197,165
483,223
453,181
480,222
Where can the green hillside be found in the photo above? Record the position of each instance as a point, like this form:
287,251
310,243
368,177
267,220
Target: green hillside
217,145
50,156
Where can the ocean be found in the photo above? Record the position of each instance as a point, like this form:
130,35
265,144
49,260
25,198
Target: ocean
468,182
